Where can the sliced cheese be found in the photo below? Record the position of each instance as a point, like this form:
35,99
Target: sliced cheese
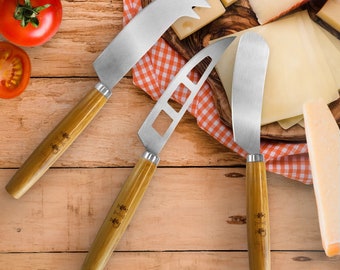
185,26
302,123
298,69
269,10
323,140
330,13
228,3
331,50
289,122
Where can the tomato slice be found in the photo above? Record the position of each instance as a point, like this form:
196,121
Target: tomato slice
15,70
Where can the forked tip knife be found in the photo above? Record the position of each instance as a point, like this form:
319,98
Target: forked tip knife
135,186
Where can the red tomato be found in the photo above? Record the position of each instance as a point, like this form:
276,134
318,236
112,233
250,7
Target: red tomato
15,70
29,23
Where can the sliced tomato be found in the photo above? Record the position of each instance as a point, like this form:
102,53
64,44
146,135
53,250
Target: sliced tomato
15,70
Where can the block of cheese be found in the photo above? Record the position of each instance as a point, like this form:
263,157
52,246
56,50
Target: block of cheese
269,10
299,68
185,26
323,140
330,13
227,3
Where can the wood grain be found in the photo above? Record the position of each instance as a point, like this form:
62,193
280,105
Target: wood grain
27,119
121,213
169,260
193,213
183,209
258,216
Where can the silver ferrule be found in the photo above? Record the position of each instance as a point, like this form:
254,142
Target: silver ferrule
106,92
151,157
255,158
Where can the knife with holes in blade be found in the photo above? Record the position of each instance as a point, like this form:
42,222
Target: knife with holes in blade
247,94
131,194
135,39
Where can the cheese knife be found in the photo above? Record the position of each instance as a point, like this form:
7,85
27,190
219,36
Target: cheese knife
135,39
128,199
247,94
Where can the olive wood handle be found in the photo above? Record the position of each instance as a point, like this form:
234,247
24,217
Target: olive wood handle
258,228
121,213
56,142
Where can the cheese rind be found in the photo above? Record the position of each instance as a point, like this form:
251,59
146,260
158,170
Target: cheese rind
269,10
330,13
323,140
300,66
186,26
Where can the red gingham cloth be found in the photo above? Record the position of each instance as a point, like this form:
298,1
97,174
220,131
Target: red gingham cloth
161,63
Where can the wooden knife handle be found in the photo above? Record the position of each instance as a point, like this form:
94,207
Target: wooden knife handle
55,144
121,213
258,228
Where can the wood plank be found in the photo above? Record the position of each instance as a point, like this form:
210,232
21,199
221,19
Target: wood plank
169,260
184,209
86,29
110,140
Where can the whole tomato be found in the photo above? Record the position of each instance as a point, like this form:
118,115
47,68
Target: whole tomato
29,22
15,70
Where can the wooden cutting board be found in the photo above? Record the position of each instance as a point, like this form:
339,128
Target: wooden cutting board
237,17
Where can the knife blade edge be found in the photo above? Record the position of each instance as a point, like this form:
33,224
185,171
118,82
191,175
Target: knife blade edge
244,115
119,56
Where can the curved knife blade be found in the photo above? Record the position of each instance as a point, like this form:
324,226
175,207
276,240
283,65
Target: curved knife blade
247,94
132,192
150,137
247,90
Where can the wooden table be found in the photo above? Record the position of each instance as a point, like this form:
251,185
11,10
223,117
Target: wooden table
193,214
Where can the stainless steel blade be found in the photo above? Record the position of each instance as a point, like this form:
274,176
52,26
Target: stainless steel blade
247,90
137,37
150,137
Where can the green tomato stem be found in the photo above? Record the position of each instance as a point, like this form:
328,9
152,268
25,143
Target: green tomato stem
27,14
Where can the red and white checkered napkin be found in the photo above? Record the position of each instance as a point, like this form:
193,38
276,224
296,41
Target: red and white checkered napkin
156,69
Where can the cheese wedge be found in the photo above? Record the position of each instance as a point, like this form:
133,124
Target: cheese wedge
302,123
330,13
302,66
289,122
227,3
323,140
269,10
185,26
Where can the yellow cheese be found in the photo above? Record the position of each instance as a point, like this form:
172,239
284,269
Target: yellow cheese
289,122
185,26
299,68
227,3
330,13
331,50
323,140
302,123
269,10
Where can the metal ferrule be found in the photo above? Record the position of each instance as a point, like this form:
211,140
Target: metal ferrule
255,158
106,92
151,157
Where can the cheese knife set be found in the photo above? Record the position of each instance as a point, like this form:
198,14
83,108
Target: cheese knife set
135,39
